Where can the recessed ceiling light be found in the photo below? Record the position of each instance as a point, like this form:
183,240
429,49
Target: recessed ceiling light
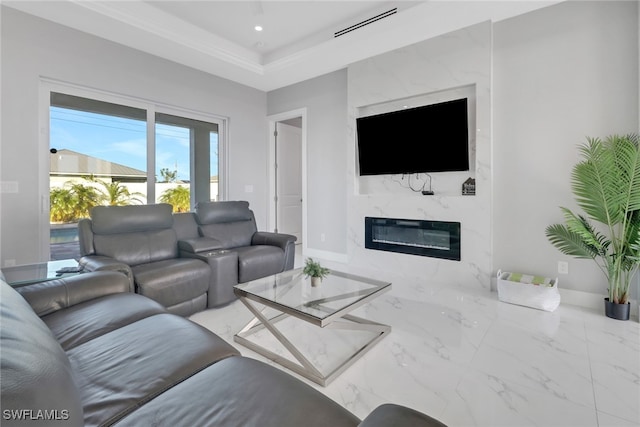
257,28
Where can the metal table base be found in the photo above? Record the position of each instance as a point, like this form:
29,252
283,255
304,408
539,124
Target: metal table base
305,367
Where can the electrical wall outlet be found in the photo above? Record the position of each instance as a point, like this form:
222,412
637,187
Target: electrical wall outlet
563,267
9,187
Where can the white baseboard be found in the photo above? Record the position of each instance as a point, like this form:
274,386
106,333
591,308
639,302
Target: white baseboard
325,255
589,300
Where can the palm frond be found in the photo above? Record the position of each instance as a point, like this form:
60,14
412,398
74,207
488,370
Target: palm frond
579,225
627,156
632,239
594,182
569,242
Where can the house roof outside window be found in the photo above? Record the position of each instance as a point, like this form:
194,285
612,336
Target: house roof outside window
68,163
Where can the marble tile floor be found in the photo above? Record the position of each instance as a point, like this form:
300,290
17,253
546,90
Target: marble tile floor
467,359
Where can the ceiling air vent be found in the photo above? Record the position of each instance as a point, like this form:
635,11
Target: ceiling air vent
366,22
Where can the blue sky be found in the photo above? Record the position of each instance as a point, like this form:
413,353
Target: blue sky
121,140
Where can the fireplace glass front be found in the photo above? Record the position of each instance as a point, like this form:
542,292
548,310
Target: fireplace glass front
438,239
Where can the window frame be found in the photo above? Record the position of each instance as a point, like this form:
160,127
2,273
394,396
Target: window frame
47,87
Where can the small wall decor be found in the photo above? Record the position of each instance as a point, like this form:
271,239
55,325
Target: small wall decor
469,187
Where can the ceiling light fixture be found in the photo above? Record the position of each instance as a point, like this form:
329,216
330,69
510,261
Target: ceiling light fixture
257,28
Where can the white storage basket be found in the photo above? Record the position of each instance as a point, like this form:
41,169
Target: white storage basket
543,294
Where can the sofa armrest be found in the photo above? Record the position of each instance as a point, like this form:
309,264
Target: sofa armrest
398,416
199,244
105,263
286,242
53,295
274,239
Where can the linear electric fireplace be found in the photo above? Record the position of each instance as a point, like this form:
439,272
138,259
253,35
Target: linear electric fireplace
437,239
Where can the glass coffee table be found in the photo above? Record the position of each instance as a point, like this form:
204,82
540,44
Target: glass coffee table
291,295
27,274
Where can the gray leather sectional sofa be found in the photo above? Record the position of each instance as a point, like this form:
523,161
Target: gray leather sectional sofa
85,351
186,262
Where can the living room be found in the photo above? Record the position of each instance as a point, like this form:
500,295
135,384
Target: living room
543,82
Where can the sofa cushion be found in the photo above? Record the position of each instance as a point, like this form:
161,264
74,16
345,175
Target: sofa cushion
222,212
199,244
139,247
121,370
185,225
259,261
187,308
83,322
230,222
241,392
390,415
230,234
36,373
133,218
158,280
53,295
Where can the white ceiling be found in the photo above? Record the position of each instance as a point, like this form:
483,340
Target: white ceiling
297,41
287,25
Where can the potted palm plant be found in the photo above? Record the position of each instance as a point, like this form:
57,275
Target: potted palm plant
314,270
606,184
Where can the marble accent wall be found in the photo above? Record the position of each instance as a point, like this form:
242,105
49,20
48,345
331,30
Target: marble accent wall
461,59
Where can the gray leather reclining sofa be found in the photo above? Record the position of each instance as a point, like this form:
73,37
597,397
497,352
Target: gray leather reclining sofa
225,235
186,262
85,351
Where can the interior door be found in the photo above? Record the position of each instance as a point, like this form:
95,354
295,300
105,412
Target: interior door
289,180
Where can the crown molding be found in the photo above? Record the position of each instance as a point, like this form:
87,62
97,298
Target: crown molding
138,25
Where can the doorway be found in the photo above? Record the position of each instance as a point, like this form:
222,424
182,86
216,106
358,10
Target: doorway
288,172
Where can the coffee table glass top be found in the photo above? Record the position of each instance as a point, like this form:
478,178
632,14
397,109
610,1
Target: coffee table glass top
21,275
293,293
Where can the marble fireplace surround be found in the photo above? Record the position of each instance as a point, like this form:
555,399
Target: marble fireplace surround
458,61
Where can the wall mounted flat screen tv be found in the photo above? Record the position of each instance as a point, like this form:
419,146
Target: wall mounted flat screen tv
431,138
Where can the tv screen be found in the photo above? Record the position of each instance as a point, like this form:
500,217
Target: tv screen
431,138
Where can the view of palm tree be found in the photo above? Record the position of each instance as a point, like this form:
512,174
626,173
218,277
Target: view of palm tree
116,194
63,205
168,175
178,197
75,199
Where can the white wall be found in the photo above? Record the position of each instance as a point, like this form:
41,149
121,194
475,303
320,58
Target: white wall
560,74
33,48
325,98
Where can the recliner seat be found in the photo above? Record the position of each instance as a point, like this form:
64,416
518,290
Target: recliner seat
225,235
233,224
140,241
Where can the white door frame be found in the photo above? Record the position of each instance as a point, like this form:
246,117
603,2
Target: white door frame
273,119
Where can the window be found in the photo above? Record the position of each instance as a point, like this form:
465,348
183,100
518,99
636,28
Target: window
183,156
101,154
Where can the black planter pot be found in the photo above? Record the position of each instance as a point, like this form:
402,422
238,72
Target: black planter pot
616,311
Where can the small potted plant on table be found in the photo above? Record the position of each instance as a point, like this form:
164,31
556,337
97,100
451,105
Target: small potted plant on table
314,270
